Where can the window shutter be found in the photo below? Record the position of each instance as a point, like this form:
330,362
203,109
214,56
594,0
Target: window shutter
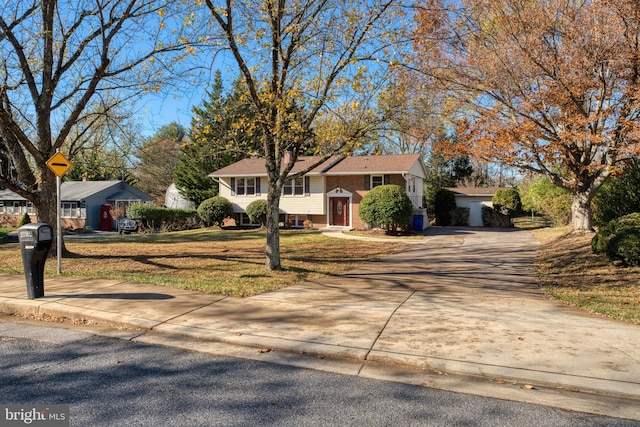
367,182
258,186
387,180
307,186
233,186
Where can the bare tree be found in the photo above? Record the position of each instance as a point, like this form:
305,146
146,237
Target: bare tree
63,65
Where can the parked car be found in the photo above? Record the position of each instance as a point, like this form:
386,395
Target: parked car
127,225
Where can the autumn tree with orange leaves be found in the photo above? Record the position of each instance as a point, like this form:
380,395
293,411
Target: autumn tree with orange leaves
547,86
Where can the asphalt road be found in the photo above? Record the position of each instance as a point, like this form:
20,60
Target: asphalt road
112,382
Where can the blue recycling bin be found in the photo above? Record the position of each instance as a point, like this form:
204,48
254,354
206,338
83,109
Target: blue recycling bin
418,222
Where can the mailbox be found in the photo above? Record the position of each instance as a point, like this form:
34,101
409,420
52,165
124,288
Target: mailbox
35,242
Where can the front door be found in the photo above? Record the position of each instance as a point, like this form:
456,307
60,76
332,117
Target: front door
340,211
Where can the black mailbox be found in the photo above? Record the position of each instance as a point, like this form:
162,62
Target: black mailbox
35,242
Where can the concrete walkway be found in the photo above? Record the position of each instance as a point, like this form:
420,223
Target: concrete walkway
461,308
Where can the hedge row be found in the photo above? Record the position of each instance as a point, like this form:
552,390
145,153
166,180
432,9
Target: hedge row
158,218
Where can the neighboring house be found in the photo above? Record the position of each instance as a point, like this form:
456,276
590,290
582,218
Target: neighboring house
84,203
474,199
329,195
174,200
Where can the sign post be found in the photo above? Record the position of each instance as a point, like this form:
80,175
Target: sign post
59,165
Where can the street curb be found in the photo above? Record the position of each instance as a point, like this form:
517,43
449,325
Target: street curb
573,383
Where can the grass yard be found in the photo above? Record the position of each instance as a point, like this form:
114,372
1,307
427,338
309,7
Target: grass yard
569,271
227,262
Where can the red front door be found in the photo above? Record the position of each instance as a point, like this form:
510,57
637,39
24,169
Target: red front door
340,211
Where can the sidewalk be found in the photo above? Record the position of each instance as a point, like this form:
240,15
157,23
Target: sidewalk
460,308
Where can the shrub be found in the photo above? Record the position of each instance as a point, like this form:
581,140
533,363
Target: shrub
620,239
152,217
507,201
444,204
494,218
460,216
257,212
214,210
553,201
387,206
26,219
618,196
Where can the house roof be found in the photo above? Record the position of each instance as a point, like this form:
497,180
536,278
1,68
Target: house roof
335,165
79,190
475,191
363,165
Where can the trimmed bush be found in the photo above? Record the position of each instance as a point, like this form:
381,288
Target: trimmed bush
620,240
386,206
494,218
460,216
444,204
618,196
214,210
257,212
507,201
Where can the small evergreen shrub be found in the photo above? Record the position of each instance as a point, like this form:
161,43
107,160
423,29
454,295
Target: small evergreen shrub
620,239
444,204
257,212
387,206
213,211
26,219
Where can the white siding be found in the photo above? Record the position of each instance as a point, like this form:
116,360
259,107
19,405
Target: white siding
465,201
312,204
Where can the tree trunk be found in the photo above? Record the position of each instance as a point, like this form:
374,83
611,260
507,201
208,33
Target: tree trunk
581,212
46,207
273,231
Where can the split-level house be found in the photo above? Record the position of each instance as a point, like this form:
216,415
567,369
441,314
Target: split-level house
329,195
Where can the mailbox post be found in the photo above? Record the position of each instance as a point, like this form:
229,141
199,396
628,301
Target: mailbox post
35,242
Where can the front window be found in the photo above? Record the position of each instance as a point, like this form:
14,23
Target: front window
70,210
295,187
377,180
247,186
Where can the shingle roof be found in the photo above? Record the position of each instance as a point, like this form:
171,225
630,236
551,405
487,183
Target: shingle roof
335,165
255,166
359,165
473,191
79,190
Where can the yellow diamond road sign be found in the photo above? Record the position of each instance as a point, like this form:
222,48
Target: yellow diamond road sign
59,164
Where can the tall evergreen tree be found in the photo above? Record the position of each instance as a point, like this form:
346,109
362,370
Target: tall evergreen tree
219,136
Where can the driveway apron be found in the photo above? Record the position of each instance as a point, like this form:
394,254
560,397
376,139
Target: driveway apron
476,309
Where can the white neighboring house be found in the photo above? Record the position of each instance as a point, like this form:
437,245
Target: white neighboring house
174,200
330,194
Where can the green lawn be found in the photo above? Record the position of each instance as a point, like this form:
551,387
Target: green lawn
228,262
